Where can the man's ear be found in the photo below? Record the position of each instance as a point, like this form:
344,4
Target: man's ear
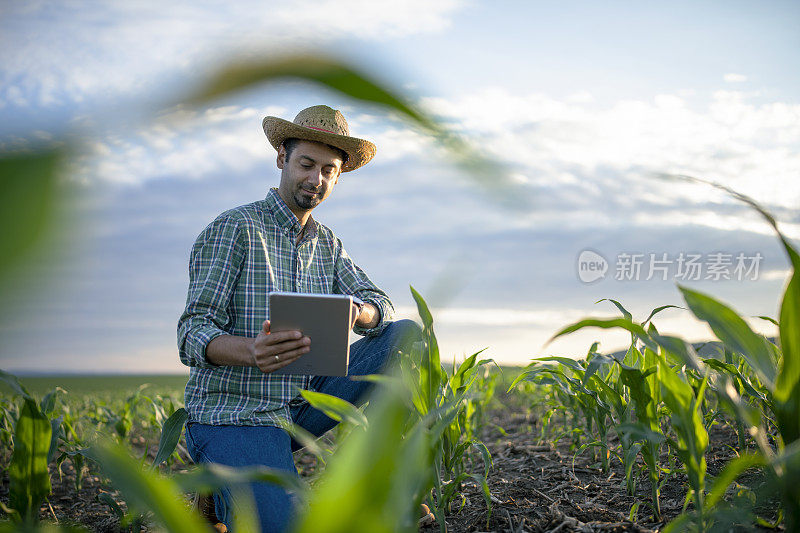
281,161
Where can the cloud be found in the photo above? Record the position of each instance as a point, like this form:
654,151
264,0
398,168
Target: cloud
734,78
754,149
82,52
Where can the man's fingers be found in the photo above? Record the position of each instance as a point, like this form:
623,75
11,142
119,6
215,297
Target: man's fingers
265,327
270,363
282,336
271,350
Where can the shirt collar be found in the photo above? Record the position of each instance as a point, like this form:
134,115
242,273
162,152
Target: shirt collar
284,216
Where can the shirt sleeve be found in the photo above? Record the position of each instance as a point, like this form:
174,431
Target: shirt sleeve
214,266
350,279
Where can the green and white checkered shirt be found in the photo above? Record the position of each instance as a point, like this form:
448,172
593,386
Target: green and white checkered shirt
230,277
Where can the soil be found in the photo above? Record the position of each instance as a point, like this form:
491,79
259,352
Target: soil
535,486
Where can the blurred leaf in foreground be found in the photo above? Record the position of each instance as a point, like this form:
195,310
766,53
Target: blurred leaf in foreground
339,76
28,204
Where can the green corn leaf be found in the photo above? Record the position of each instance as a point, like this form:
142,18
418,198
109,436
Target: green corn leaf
625,313
769,319
170,435
632,357
687,422
639,431
521,377
657,310
28,182
487,493
13,382
467,365
55,427
640,394
210,477
488,463
432,378
377,478
734,332
680,348
422,309
678,524
787,385
318,68
48,403
335,407
306,440
145,489
29,478
106,499
566,361
729,369
729,474
608,323
245,514
596,362
335,74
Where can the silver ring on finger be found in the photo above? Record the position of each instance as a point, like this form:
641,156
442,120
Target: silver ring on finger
277,359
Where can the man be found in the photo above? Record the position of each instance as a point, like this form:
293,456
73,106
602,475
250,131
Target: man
234,400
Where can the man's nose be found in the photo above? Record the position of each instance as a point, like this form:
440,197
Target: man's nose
315,177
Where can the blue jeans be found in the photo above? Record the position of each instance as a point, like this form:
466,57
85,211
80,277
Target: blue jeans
271,446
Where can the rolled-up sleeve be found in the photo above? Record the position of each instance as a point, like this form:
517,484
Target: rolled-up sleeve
350,279
214,267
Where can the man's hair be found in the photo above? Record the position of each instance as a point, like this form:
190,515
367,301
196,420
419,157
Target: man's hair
290,144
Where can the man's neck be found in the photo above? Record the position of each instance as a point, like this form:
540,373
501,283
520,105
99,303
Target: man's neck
302,215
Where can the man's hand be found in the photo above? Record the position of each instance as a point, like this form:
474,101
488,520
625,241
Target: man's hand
271,351
355,311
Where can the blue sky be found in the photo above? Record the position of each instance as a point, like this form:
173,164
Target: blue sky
582,102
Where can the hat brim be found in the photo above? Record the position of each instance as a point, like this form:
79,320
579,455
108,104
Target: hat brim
359,151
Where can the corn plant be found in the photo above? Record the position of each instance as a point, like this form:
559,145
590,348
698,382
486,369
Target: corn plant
445,397
29,477
577,380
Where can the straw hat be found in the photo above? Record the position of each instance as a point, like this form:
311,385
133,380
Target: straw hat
322,124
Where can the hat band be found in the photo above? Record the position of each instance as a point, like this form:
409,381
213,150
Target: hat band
321,129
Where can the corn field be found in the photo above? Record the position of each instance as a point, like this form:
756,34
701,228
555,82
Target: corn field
451,448
647,412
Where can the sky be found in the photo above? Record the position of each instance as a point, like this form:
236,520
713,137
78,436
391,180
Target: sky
583,107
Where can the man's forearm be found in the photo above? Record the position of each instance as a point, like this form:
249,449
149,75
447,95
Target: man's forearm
369,317
230,350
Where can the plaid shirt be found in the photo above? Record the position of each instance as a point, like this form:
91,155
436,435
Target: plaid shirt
242,256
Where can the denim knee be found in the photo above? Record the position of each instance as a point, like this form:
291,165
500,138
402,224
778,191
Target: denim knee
403,333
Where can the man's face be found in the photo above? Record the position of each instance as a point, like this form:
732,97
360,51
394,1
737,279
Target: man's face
308,174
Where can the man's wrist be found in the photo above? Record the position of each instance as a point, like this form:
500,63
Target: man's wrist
231,350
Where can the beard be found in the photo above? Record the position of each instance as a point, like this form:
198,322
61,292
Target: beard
304,201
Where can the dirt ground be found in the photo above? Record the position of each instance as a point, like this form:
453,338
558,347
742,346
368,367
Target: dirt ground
536,487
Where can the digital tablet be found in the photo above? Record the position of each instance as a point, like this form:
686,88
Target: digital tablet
325,319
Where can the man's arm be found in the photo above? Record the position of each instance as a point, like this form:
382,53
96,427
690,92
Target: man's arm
214,265
350,279
268,351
